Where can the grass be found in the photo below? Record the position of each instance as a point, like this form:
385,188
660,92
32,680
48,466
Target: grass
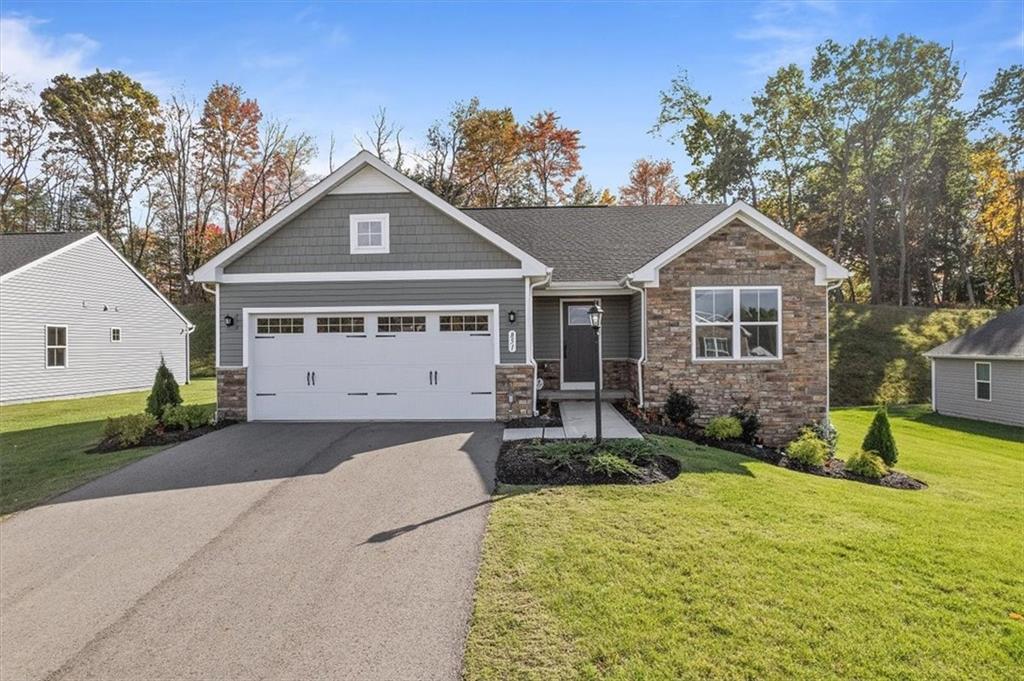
201,341
876,350
738,569
42,444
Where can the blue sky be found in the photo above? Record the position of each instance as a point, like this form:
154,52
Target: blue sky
327,67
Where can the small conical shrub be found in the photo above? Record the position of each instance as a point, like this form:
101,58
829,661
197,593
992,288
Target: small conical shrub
879,438
165,392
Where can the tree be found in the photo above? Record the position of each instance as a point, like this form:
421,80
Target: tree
165,392
112,125
583,193
879,438
491,165
650,183
22,139
552,156
719,147
384,140
442,156
230,135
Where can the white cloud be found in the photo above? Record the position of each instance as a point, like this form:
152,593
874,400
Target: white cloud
33,58
788,33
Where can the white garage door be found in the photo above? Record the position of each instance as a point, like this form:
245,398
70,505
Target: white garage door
372,366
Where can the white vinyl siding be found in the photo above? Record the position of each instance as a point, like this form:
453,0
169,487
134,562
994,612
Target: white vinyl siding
88,289
956,386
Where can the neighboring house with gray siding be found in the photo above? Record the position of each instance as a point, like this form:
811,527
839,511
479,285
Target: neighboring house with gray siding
77,319
368,297
980,375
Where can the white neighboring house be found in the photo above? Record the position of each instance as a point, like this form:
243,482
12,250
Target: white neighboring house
77,319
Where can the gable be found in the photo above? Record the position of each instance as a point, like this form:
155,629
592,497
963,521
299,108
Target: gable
421,238
369,181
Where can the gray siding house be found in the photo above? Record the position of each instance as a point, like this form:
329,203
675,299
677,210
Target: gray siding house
980,375
77,319
369,297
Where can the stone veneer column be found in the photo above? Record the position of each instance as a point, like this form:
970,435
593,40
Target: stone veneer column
515,380
231,393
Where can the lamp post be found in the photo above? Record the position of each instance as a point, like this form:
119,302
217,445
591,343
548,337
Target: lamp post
595,313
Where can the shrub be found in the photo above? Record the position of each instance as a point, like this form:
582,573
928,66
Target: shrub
867,465
724,428
186,416
679,407
826,430
129,430
562,454
749,421
879,438
609,465
807,449
634,451
164,393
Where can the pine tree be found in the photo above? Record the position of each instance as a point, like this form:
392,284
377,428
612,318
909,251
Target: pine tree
165,392
879,438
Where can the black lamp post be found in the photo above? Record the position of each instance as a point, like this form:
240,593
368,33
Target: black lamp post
595,313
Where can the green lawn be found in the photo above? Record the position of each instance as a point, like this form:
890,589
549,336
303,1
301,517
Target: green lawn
42,444
741,570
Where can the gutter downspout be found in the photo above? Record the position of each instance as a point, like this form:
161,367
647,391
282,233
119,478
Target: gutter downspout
628,283
828,355
530,286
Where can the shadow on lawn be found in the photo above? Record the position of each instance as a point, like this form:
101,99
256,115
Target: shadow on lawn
696,459
983,428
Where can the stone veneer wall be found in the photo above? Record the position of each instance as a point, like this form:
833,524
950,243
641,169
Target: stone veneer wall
515,380
550,371
619,374
232,394
786,394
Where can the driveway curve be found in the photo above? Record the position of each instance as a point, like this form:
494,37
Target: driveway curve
261,551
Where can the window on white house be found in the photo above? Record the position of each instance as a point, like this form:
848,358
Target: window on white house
56,346
736,323
369,233
115,334
275,325
983,381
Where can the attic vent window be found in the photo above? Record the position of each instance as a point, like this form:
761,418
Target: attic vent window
369,233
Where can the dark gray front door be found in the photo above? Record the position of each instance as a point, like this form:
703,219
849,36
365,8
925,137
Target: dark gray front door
579,350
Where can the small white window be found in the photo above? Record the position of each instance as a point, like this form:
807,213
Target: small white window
741,322
579,315
473,322
369,233
279,325
115,334
56,346
983,381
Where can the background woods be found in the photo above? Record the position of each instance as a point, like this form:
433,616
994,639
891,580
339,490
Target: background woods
870,154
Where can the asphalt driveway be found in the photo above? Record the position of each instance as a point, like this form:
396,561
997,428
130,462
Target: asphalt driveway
269,551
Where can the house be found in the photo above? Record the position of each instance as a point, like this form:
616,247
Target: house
77,319
368,297
980,375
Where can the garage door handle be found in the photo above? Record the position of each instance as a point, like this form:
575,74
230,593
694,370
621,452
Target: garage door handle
314,378
307,378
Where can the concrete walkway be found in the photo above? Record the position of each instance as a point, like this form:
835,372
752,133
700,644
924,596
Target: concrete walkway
578,422
261,551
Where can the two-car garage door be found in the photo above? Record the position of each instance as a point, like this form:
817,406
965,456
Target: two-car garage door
372,365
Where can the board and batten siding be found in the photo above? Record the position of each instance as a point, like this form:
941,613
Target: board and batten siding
421,238
618,327
508,294
70,290
954,391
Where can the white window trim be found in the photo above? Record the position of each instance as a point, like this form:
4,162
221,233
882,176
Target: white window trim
385,237
112,330
977,381
736,324
47,346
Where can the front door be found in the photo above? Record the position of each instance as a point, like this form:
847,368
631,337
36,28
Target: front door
579,351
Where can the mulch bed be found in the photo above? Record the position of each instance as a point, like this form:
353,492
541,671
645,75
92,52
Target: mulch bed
517,465
157,438
550,417
833,468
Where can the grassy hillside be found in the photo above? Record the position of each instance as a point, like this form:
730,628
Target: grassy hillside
201,314
876,350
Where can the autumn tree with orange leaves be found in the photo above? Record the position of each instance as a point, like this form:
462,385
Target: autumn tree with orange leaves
651,183
552,154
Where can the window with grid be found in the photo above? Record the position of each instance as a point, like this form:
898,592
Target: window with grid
401,324
983,381
369,233
472,322
339,324
56,346
275,325
736,323
115,334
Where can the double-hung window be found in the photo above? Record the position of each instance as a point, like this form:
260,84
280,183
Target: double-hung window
983,381
369,233
737,323
56,346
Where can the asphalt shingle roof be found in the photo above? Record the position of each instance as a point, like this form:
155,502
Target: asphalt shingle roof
21,249
1002,336
595,243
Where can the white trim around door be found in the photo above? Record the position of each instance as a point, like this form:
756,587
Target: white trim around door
562,321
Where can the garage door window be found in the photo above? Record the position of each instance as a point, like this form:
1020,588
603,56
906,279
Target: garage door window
339,325
279,325
401,324
473,322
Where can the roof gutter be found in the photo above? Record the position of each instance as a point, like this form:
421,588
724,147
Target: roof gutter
627,282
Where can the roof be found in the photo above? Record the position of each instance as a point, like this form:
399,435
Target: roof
1002,336
18,250
595,243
